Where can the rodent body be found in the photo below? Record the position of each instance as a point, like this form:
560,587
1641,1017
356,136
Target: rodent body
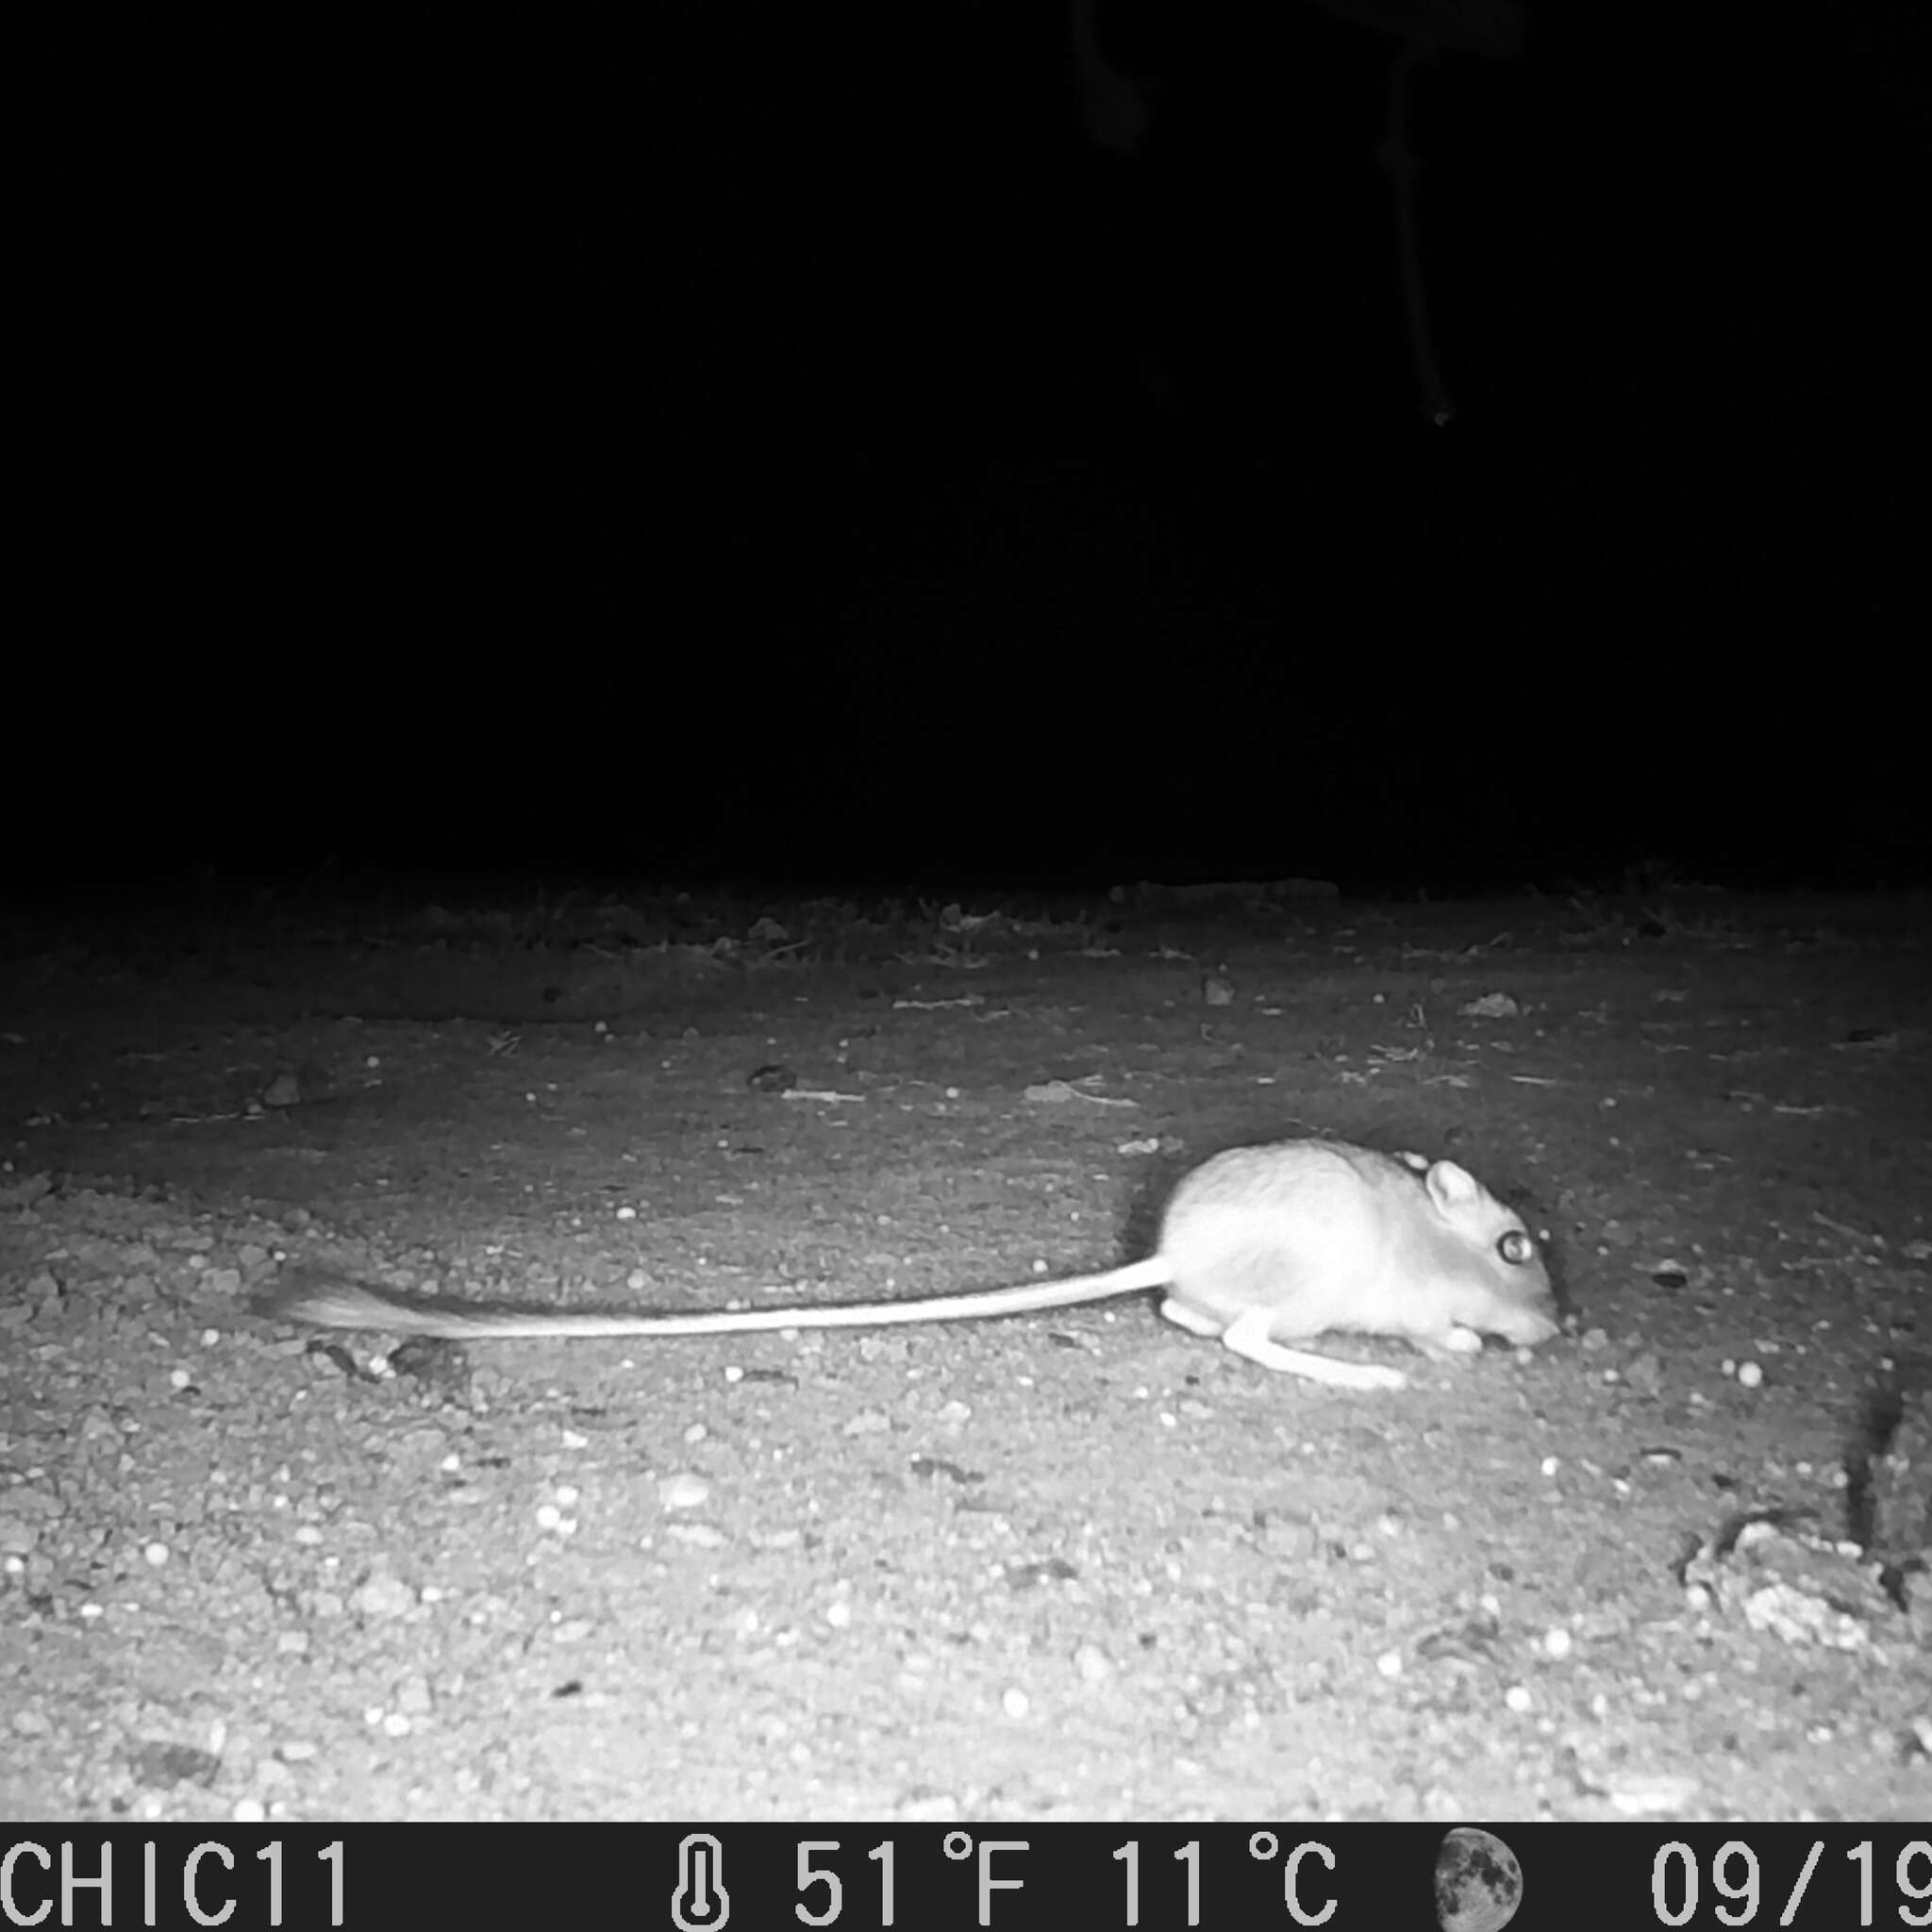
1261,1246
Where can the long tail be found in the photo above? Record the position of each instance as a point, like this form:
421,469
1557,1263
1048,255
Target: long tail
323,1303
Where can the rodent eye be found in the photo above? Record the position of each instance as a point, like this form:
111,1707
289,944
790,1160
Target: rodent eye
1517,1248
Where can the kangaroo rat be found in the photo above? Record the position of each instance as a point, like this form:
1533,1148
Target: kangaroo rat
1260,1245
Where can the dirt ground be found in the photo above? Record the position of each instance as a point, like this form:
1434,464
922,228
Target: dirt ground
1073,1565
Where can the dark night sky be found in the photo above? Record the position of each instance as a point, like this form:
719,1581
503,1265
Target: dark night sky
777,443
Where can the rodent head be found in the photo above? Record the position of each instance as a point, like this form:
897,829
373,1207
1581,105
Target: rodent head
1507,1291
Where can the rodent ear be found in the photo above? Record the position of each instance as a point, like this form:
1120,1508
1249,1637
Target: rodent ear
1450,1187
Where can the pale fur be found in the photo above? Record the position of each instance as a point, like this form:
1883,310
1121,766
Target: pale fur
1260,1247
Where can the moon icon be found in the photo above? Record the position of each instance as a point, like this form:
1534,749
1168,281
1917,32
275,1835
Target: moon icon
1478,1882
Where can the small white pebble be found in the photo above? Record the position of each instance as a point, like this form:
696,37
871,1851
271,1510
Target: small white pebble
382,1596
1016,1703
838,1615
1556,1644
683,1490
1750,1375
1390,1663
154,1556
567,1494
247,1811
1093,1664
179,1379
1518,1699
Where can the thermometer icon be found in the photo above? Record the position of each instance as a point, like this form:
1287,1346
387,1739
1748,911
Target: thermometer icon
700,1903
